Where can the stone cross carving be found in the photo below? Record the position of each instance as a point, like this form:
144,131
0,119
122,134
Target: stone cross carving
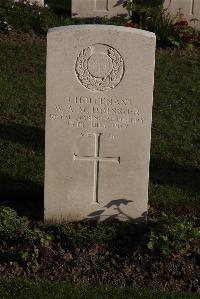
96,159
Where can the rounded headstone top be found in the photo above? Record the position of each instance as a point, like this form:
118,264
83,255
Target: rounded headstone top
103,27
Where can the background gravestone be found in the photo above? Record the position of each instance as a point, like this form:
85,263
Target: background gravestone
97,8
110,8
98,122
189,8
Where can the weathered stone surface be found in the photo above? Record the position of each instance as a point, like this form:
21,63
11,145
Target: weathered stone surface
97,8
98,122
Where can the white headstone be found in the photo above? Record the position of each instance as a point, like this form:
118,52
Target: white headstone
97,8
98,122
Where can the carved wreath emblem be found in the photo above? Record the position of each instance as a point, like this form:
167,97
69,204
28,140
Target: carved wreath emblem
99,67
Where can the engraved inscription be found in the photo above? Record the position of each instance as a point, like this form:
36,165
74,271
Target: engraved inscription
97,112
99,67
96,159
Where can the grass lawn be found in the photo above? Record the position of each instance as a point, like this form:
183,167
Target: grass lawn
50,290
22,106
175,151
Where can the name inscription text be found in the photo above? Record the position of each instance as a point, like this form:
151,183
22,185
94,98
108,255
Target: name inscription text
99,112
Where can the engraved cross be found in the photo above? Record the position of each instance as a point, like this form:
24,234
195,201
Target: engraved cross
96,159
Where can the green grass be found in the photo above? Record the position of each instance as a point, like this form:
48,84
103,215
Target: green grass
22,106
175,152
50,290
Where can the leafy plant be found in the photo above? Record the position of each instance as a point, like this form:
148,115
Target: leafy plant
140,10
188,36
4,26
27,16
172,235
163,26
74,235
12,226
171,30
30,255
17,229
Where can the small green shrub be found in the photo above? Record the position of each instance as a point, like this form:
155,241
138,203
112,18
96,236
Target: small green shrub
163,26
12,226
172,235
15,229
27,17
140,10
74,235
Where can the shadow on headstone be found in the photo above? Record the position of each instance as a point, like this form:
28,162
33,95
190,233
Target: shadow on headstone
120,215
